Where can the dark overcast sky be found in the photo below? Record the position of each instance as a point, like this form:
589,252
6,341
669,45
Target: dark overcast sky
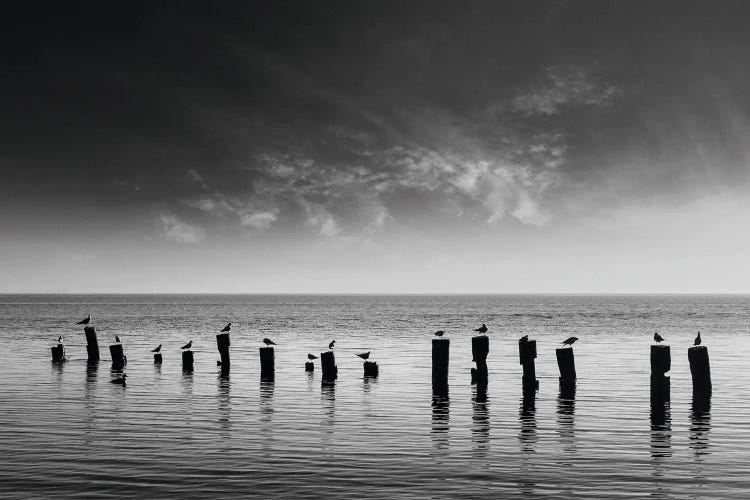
563,146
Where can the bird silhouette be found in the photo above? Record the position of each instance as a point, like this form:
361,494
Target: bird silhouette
569,341
60,339
439,333
330,346
525,338
364,355
697,340
188,345
157,349
227,328
117,339
482,329
85,321
121,380
658,338
311,356
269,342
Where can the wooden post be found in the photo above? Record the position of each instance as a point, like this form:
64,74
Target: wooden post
92,345
440,357
309,366
222,343
661,360
187,361
328,365
526,355
157,358
266,363
700,369
58,353
118,356
480,347
660,397
371,369
566,363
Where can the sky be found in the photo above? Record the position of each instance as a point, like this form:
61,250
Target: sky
375,147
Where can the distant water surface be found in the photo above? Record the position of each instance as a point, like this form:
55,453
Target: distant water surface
65,430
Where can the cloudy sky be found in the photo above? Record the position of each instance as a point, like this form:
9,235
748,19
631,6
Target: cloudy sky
390,146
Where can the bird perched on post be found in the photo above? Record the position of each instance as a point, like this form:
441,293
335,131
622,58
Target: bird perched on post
157,349
188,345
697,340
85,321
330,346
364,355
569,341
227,328
439,333
482,329
121,380
658,338
269,342
311,356
117,339
525,338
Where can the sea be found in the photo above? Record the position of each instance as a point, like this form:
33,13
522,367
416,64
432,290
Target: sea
67,431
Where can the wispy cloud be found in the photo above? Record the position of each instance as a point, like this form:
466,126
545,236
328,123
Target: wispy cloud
174,229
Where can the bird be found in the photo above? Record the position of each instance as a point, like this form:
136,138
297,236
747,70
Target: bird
364,355
188,345
482,329
311,356
157,349
85,321
525,338
121,380
658,338
330,346
569,340
697,340
439,333
59,339
117,339
227,328
269,342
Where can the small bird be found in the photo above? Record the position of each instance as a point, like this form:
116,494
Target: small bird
85,321
482,329
525,338
60,339
121,380
439,333
364,355
330,346
569,340
188,345
658,338
157,349
227,328
269,342
311,356
697,340
117,339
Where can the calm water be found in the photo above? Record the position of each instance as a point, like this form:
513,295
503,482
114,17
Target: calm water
66,430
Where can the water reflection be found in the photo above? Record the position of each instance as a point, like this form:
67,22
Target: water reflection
527,438
224,405
266,414
440,423
328,400
661,434
566,409
480,431
89,398
700,424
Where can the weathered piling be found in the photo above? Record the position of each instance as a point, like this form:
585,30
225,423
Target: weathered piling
267,363
309,366
661,360
660,400
700,369
566,363
119,359
157,358
187,361
371,369
92,345
526,355
58,353
222,343
328,365
440,357
480,347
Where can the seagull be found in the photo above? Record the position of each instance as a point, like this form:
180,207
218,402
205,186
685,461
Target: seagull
121,380
59,339
330,346
117,339
569,341
311,356
157,349
85,321
269,342
188,345
364,355
482,329
658,338
227,328
697,340
525,338
439,333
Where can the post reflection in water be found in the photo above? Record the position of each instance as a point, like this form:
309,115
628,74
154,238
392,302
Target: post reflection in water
480,431
89,393
527,439
566,409
266,414
700,424
224,405
661,434
328,400
440,423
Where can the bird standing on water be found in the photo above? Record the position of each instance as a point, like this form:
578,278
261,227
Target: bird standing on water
364,355
330,346
227,328
188,345
85,321
569,341
658,338
59,339
439,333
525,338
121,380
311,356
117,339
482,329
697,340
269,342
157,349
